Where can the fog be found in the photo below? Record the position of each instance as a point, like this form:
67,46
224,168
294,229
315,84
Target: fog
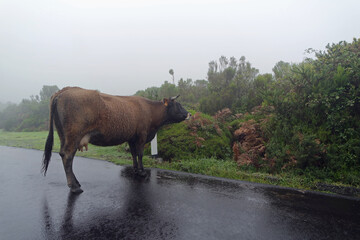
120,47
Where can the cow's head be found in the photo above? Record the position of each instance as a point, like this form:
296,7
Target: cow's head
175,112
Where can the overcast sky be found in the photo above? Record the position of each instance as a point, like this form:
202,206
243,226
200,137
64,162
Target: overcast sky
119,47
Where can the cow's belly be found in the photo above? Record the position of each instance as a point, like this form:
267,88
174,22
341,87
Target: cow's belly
100,139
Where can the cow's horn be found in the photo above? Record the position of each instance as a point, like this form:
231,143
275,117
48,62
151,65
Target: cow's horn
173,98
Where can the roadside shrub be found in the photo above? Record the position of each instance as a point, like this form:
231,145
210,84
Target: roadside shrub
200,137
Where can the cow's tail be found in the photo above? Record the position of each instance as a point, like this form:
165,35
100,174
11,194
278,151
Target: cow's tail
50,138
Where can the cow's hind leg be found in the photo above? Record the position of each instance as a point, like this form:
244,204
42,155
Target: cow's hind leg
67,155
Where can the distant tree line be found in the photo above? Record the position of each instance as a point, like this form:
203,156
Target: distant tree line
4,105
29,115
230,83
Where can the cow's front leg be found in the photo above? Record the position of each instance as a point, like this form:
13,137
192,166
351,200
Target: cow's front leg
134,156
142,172
140,153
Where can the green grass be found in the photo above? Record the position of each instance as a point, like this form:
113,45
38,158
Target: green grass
207,166
36,140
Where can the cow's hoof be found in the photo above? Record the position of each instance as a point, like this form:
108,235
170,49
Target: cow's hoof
76,190
142,173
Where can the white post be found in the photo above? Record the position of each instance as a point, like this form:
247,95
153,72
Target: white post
154,149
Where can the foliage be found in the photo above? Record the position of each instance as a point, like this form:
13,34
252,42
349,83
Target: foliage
4,105
30,115
231,85
317,113
165,91
189,90
200,137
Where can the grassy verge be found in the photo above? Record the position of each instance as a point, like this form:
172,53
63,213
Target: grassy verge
208,166
36,140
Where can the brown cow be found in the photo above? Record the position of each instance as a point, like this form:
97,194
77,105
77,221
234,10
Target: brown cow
87,116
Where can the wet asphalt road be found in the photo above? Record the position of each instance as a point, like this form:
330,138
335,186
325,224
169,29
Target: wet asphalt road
166,205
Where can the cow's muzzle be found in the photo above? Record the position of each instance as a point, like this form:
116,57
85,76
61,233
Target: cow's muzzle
188,116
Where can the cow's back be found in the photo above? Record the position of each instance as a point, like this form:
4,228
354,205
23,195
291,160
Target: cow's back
128,115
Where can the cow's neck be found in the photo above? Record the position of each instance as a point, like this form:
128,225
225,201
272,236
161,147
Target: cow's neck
159,115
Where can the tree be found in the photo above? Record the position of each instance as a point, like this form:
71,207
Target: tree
281,70
171,71
168,90
261,86
229,84
47,91
31,114
150,93
4,105
185,88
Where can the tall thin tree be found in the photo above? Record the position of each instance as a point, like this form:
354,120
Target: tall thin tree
171,71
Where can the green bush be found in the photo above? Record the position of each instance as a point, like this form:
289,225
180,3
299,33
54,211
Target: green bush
316,125
200,137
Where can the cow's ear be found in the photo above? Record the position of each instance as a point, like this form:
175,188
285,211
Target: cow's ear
166,102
